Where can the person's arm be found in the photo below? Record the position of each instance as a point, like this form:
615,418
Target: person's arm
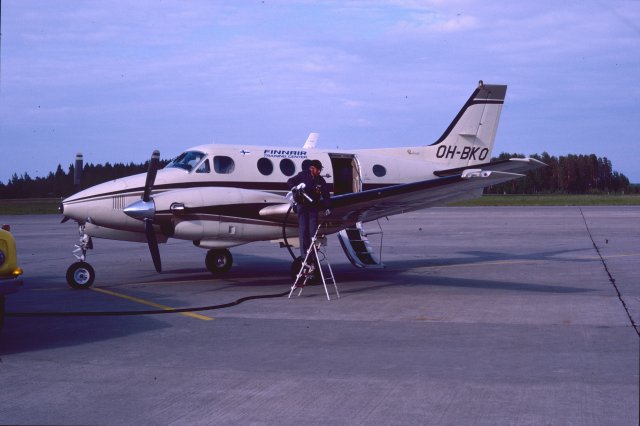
295,181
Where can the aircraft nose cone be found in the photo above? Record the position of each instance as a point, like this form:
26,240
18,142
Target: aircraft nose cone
141,209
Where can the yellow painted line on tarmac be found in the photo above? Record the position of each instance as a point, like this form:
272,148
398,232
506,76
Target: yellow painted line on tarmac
149,303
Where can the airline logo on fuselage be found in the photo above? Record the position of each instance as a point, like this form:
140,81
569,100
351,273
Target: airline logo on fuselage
284,153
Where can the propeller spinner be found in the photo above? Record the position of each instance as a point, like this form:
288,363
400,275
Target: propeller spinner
145,209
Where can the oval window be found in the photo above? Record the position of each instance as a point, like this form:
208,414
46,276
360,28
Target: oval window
287,167
265,166
305,164
379,170
223,164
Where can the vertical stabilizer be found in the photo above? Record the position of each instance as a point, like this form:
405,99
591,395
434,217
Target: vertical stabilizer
470,137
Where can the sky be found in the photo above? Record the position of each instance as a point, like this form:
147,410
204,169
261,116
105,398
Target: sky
117,79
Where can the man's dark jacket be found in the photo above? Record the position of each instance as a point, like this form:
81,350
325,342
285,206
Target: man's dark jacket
316,188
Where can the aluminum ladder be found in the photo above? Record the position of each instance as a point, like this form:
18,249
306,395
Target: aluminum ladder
316,257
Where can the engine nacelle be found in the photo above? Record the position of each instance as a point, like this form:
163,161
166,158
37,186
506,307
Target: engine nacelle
218,216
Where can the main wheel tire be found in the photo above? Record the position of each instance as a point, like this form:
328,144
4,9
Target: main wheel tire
219,261
80,275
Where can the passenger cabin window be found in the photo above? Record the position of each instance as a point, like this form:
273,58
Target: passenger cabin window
379,170
287,167
265,166
223,164
187,160
204,167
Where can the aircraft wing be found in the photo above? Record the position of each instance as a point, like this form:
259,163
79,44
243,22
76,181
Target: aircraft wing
347,209
376,203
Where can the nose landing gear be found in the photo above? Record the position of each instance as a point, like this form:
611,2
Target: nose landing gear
81,275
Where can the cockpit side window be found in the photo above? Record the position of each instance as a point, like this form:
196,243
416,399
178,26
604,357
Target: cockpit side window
187,160
204,167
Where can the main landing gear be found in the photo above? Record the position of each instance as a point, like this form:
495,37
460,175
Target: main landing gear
81,275
218,261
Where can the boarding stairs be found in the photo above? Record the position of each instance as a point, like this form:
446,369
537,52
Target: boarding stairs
357,247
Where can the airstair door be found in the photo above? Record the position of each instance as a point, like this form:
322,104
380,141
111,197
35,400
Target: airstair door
346,173
347,178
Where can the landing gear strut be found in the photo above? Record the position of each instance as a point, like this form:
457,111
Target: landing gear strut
81,275
219,261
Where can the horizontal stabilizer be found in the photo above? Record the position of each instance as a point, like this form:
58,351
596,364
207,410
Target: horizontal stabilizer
512,165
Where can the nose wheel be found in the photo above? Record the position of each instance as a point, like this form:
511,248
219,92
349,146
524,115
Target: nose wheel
218,261
80,275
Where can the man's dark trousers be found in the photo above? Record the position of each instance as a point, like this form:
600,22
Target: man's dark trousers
307,225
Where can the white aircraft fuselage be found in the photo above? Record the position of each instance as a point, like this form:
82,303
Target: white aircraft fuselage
101,206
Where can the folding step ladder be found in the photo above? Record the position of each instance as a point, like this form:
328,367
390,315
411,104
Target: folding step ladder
315,260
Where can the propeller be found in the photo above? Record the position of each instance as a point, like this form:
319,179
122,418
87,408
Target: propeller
145,210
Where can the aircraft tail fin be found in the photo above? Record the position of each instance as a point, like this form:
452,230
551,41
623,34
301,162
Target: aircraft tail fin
470,137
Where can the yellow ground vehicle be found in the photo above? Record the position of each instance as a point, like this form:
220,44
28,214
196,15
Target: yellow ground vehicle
10,273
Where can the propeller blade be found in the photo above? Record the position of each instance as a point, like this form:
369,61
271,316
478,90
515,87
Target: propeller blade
153,244
151,175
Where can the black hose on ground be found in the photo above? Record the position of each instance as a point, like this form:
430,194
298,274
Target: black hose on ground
149,312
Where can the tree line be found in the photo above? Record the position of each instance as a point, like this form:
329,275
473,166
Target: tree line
61,183
570,174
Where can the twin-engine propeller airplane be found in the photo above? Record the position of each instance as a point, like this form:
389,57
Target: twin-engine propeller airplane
224,196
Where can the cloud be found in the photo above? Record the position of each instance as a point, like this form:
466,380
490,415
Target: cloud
435,23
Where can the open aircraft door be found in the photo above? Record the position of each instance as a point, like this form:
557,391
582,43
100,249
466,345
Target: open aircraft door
347,178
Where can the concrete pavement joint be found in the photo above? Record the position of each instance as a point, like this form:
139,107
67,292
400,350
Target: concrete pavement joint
611,279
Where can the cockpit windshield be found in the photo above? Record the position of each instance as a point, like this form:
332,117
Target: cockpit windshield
187,160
